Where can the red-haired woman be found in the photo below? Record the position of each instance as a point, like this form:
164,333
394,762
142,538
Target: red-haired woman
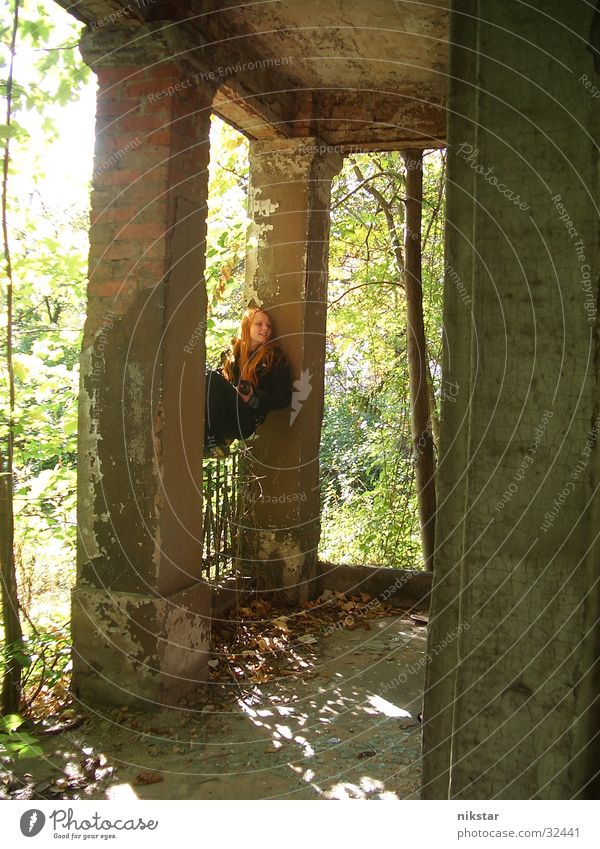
254,379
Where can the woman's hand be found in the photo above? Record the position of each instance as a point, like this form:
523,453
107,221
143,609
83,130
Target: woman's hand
245,397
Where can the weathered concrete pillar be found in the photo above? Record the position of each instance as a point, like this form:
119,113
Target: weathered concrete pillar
289,202
141,616
512,686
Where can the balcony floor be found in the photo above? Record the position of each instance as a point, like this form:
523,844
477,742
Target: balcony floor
344,727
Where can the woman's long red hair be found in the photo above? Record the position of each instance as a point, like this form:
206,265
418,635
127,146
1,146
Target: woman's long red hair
240,350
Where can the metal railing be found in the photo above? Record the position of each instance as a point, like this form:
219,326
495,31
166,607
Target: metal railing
224,505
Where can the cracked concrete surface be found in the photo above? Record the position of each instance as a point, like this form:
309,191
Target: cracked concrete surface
346,729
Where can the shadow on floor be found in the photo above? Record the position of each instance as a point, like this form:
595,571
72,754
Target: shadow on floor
344,726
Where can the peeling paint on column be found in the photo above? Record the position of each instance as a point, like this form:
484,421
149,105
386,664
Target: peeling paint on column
186,640
288,551
287,269
161,644
157,465
135,412
89,472
261,208
257,208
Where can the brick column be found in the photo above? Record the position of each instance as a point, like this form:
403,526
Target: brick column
141,617
289,199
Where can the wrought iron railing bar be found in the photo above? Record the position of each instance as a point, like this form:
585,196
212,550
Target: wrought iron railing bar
223,490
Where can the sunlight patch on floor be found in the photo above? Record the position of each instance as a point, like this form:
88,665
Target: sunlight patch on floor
387,708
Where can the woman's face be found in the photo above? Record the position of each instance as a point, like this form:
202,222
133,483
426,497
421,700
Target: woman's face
261,330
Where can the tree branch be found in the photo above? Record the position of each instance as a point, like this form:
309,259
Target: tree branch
368,283
389,217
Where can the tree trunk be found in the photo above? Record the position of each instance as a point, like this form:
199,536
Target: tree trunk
417,354
13,634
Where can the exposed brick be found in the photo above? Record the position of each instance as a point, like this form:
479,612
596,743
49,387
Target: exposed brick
150,274
119,141
104,199
143,193
115,177
184,183
110,288
125,249
147,197
150,121
108,76
114,213
118,106
160,137
165,71
153,210
152,230
133,250
188,110
142,88
103,232
129,176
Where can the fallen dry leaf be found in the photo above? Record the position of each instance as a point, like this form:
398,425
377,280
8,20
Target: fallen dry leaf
148,778
307,639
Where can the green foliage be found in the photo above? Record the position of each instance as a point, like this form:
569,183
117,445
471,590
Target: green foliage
48,247
226,237
45,658
49,69
369,504
14,742
49,270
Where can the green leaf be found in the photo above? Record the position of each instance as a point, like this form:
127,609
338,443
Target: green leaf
30,752
64,92
10,722
24,739
8,131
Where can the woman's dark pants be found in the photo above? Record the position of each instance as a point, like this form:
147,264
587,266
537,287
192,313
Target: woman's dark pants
227,416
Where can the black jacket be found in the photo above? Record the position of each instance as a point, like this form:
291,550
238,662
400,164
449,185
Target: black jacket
274,388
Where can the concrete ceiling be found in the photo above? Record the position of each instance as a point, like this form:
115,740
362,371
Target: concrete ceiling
368,74
377,44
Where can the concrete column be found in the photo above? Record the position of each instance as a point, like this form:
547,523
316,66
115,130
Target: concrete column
289,198
511,692
141,616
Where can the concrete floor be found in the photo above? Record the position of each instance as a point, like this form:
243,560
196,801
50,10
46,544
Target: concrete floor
347,728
